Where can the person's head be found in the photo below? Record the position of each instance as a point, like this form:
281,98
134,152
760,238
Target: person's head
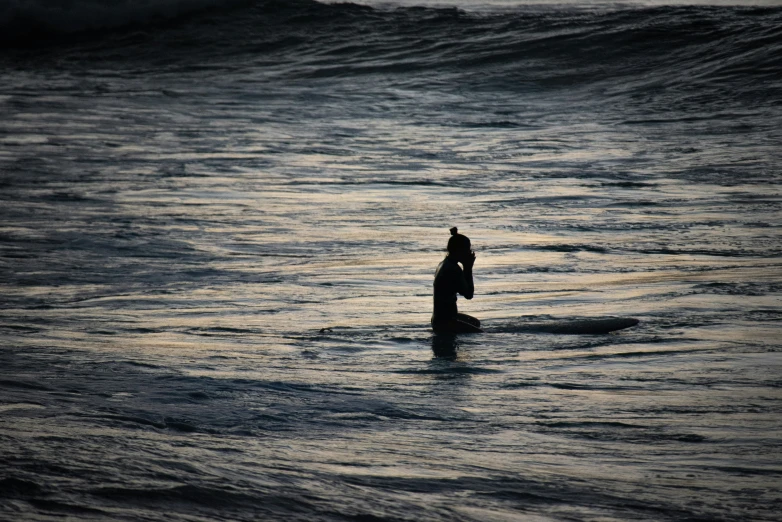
459,245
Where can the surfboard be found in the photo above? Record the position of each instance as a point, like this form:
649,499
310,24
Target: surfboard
589,326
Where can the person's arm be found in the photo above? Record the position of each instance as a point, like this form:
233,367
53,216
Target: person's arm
468,287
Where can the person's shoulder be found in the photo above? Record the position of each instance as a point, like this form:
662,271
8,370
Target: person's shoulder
440,267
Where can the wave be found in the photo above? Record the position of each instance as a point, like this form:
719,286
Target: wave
734,51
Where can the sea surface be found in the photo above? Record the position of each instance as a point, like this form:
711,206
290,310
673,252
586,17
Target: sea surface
220,221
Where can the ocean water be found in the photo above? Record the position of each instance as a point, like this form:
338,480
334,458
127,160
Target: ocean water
219,225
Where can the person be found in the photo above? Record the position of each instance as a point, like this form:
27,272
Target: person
451,279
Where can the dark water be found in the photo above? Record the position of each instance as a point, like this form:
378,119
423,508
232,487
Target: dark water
219,227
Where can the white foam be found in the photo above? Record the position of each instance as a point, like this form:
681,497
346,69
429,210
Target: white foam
20,406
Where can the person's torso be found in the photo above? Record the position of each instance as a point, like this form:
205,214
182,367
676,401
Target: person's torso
446,285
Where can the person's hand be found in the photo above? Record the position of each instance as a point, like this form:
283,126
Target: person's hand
469,260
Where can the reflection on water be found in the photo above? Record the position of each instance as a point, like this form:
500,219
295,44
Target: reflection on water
445,345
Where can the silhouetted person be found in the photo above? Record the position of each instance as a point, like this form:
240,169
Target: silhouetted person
450,279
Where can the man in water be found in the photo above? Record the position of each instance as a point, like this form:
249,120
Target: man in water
450,279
